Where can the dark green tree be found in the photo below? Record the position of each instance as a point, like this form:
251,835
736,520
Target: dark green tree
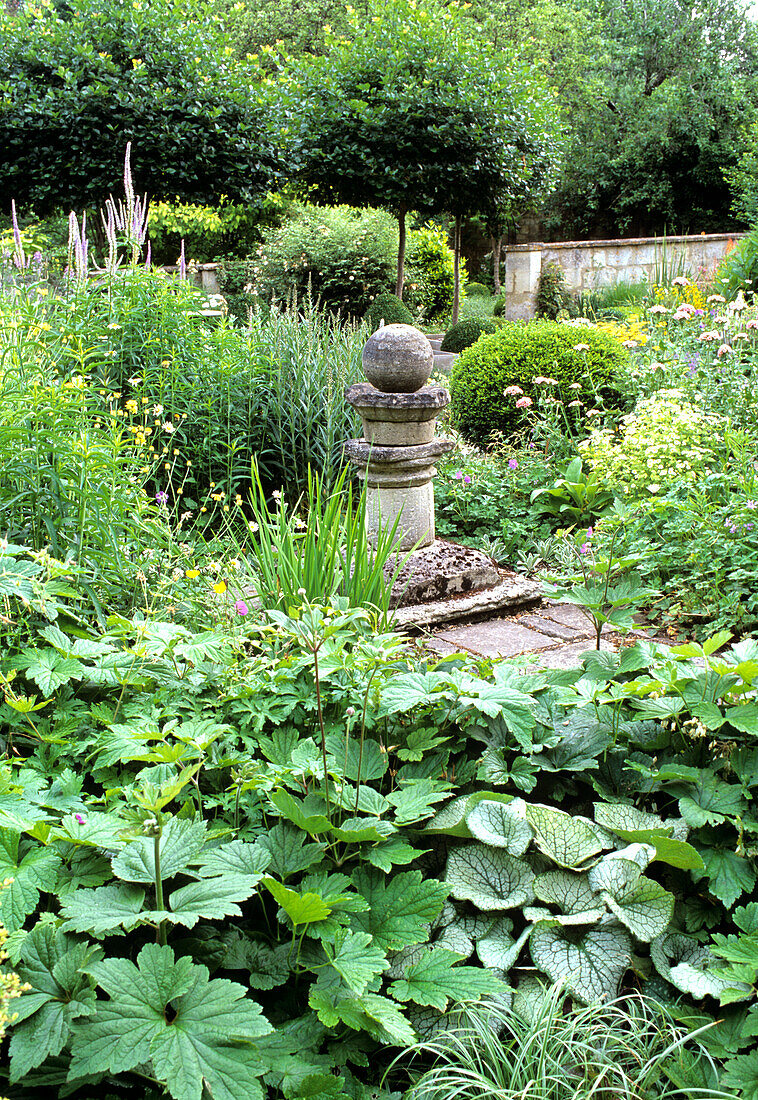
413,111
79,81
654,96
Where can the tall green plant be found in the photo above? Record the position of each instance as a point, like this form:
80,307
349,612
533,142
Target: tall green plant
327,554
629,1049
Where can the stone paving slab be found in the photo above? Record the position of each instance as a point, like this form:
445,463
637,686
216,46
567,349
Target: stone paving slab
553,629
567,615
496,638
570,656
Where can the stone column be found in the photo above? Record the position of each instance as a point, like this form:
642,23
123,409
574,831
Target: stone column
397,453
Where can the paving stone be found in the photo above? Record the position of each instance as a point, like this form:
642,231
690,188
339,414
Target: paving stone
550,627
440,647
568,615
569,656
497,638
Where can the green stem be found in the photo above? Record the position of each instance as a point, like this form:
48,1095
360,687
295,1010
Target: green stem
363,734
161,937
321,727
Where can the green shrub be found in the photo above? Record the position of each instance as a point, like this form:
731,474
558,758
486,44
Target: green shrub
430,280
516,355
235,279
342,257
499,307
210,232
739,269
552,292
387,308
466,333
474,290
664,441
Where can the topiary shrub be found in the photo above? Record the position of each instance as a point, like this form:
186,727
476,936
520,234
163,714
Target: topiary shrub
466,333
477,290
552,292
499,307
516,355
387,308
430,280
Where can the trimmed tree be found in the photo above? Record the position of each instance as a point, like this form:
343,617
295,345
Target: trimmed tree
412,112
81,80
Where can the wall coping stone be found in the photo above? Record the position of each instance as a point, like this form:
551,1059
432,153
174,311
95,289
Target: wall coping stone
622,242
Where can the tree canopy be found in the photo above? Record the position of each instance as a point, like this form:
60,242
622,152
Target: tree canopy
414,111
79,81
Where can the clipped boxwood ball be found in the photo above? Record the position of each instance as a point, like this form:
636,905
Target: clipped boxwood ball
466,333
477,290
515,355
388,308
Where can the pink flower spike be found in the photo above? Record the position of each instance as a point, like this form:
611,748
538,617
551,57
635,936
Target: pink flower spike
241,607
584,548
590,532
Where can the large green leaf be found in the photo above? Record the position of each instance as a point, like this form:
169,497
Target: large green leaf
687,965
501,825
288,850
632,824
571,892
167,1012
590,966
334,1002
53,965
210,898
301,908
489,877
366,760
416,800
180,842
399,908
356,958
238,858
294,810
710,801
569,841
26,869
645,908
113,908
729,875
433,979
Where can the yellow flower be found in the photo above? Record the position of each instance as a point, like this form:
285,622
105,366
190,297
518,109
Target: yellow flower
190,574
219,587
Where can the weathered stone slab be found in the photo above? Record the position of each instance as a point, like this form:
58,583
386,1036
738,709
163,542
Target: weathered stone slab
440,571
512,593
551,627
498,638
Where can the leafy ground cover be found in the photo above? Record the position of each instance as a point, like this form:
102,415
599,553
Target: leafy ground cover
272,850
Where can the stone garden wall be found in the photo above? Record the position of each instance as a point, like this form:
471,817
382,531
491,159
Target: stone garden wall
591,264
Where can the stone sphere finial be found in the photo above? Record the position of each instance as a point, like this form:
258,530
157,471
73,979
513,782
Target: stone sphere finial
398,359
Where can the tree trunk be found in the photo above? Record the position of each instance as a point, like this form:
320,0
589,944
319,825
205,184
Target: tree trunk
497,246
400,253
456,271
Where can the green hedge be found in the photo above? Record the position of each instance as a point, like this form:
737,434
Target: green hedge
466,333
516,355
